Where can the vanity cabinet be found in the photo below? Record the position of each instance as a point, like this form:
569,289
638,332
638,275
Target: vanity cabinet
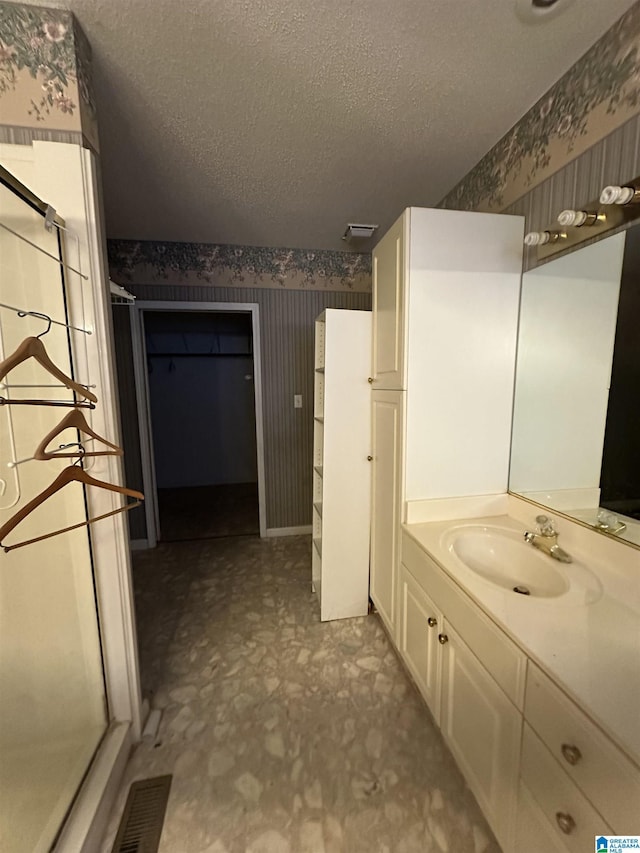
483,729
454,653
445,314
341,467
545,775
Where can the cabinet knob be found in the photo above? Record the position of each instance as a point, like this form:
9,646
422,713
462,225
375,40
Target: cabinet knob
431,622
566,823
571,753
369,458
442,639
370,380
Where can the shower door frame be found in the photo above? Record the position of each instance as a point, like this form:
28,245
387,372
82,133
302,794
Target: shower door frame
66,176
143,402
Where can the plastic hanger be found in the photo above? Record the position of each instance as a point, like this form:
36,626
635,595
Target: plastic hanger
73,473
34,348
76,420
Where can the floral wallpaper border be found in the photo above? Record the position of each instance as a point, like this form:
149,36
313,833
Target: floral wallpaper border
151,262
597,95
45,70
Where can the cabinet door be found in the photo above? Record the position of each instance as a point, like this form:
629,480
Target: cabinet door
420,623
388,270
483,730
387,414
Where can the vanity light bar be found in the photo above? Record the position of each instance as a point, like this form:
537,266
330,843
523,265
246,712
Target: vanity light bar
621,206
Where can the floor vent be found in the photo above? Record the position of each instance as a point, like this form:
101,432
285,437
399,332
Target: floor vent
143,816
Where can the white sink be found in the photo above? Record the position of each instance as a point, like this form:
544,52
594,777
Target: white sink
499,555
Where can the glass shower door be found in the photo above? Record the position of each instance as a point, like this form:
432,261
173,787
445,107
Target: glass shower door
52,696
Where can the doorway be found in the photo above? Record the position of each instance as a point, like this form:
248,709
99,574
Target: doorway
200,415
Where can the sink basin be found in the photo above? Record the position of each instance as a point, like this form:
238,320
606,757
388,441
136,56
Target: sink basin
499,555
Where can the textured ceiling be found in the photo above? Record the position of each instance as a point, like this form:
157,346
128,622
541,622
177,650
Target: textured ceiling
275,122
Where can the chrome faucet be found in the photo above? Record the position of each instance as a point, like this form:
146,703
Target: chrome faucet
546,540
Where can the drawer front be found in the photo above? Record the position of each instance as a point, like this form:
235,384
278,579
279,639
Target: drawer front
592,761
534,833
498,654
561,802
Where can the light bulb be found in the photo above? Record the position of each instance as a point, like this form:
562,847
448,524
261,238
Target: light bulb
539,238
618,195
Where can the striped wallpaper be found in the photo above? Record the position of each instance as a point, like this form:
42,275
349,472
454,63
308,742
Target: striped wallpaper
286,329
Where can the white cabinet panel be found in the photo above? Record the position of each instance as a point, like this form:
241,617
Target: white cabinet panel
386,429
483,730
420,622
389,294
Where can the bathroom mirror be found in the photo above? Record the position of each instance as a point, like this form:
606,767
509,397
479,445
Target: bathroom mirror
576,421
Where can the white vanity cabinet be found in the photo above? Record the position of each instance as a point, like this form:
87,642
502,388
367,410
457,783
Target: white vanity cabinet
445,314
545,775
341,467
483,730
459,659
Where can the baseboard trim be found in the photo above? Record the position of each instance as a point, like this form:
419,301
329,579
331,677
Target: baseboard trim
273,532
139,544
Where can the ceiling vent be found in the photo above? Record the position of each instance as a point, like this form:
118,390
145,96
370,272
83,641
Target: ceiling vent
358,232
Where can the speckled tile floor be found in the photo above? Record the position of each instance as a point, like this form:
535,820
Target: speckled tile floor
284,734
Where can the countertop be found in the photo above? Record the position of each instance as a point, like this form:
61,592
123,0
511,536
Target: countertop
591,650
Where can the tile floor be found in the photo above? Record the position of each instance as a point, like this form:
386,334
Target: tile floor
284,734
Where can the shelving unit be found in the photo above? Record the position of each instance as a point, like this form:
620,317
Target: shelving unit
341,469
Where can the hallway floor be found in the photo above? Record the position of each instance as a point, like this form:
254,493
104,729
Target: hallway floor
284,734
208,512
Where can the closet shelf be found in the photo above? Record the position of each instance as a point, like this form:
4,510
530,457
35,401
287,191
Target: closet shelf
200,354
318,507
318,470
317,543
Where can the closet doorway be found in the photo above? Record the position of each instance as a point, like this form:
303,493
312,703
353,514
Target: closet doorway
200,418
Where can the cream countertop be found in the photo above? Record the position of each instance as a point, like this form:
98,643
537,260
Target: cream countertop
591,650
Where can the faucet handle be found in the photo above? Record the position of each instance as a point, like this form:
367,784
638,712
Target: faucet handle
545,525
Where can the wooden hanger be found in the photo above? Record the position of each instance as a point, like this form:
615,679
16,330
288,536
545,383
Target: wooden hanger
69,475
34,348
77,420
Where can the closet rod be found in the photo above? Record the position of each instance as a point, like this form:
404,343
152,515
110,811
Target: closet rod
200,354
44,252
22,313
6,386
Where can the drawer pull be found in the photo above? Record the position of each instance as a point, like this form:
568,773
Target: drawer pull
431,622
566,823
370,380
571,754
442,639
369,458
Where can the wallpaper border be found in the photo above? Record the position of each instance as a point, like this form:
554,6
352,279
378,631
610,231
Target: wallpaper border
149,262
599,93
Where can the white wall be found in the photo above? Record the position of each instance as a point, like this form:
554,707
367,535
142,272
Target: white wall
565,351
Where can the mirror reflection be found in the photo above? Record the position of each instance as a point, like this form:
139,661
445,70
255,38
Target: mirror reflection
576,424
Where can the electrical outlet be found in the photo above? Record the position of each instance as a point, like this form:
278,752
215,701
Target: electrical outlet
297,401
